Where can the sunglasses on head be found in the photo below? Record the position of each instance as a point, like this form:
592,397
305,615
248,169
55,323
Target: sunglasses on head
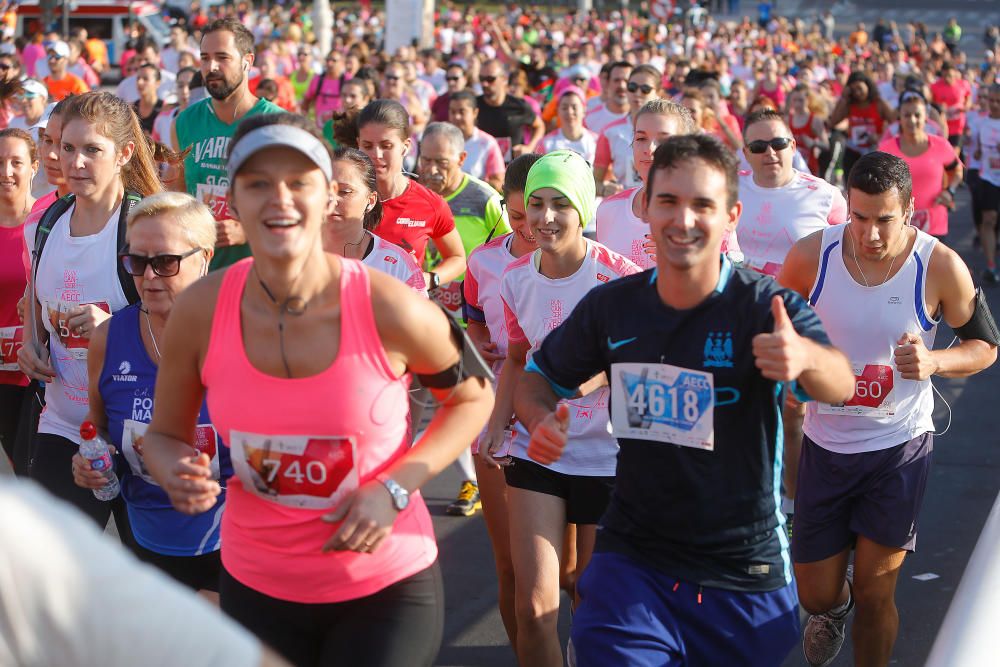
487,79
778,144
165,266
632,87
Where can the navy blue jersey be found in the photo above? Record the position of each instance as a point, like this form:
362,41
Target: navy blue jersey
707,517
126,386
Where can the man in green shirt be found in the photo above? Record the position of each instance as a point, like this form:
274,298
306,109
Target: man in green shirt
479,217
475,205
206,127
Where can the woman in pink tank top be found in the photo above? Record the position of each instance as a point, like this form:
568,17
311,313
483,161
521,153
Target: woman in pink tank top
328,549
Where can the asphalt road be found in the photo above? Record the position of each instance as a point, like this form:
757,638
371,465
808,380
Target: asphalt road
965,481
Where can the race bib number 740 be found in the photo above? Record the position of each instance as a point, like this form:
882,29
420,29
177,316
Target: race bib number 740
663,403
310,472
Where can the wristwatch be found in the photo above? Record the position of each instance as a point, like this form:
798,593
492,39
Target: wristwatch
435,281
400,496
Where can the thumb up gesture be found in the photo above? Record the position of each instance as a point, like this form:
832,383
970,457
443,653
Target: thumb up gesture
549,437
780,355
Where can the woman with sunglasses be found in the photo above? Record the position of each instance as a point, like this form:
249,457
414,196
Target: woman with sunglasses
619,226
328,550
487,328
538,292
348,230
571,134
411,214
76,284
613,168
935,169
171,237
18,163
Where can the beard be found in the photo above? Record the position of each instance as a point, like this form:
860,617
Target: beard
221,88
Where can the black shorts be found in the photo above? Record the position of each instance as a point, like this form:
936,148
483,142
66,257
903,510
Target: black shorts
955,140
989,196
200,573
873,494
586,497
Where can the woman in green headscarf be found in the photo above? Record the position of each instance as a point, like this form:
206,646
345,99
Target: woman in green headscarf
539,291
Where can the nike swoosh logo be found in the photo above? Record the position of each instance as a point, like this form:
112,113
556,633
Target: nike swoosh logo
612,345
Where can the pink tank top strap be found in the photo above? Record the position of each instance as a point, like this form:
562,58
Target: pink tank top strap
226,319
358,331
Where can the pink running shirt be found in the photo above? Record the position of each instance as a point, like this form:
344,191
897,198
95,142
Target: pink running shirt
300,445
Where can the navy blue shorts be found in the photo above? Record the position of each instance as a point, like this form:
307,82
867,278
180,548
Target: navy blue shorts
874,494
631,614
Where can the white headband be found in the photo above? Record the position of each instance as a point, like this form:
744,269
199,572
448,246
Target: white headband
287,136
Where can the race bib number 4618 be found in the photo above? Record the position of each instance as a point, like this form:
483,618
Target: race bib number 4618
663,403
310,472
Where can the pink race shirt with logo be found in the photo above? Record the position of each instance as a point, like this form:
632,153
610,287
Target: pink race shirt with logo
301,446
393,260
928,173
483,156
614,149
534,306
774,219
622,231
482,288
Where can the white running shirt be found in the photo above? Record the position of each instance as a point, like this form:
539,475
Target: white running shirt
866,324
600,118
586,145
621,231
534,305
988,136
774,219
615,143
390,259
74,270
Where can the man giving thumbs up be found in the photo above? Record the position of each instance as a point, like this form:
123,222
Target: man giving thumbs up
691,561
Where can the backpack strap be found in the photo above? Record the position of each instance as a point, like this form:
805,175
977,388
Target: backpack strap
124,278
52,214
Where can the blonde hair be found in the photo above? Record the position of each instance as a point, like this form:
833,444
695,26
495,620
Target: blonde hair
193,217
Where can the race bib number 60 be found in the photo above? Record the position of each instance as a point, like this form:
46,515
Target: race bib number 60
309,472
663,403
873,394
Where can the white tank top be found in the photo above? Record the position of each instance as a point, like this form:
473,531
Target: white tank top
74,270
865,323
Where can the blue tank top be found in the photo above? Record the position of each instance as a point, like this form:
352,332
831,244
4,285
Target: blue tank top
126,385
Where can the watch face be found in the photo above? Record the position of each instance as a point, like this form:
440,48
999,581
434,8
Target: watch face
401,499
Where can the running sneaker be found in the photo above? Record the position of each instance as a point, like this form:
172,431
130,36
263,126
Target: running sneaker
824,636
991,277
468,500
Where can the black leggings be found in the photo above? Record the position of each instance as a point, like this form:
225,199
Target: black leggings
52,467
11,401
400,625
199,573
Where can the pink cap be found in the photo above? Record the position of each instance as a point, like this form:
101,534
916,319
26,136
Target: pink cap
573,90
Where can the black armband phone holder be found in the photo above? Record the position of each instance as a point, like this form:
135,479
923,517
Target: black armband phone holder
981,326
470,363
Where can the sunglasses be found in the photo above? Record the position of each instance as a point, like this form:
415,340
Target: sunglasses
778,144
53,56
632,87
453,78
164,266
487,79
389,77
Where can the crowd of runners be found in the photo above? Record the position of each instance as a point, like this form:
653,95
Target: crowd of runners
664,288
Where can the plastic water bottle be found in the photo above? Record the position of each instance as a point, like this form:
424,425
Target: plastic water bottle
94,448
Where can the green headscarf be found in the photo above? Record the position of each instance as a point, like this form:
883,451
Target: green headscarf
567,172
